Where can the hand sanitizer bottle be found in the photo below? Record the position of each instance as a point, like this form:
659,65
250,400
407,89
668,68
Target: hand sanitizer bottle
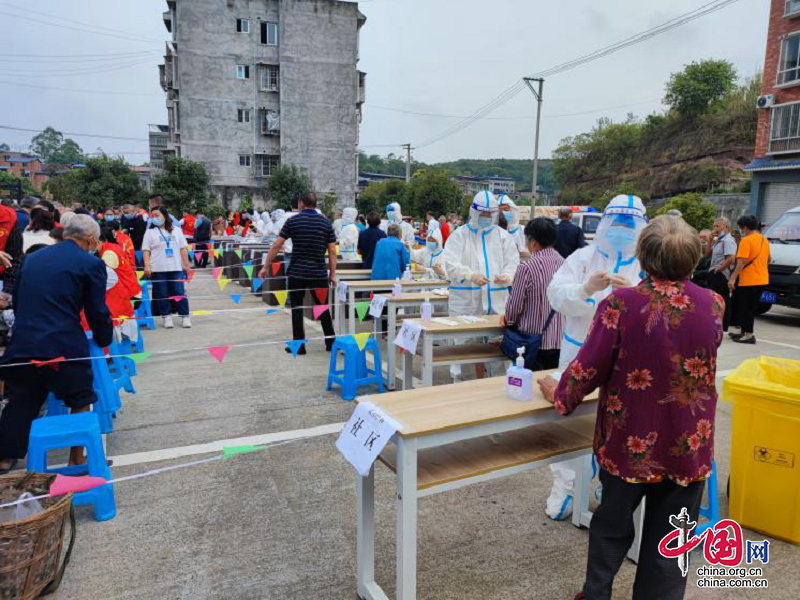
407,276
398,289
426,309
519,380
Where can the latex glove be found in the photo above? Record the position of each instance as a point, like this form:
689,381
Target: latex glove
619,282
503,280
596,283
439,270
479,280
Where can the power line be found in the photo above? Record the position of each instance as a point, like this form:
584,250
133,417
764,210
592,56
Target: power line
73,72
86,59
91,135
60,89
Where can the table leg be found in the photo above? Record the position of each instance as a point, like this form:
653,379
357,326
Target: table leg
638,525
337,310
580,492
391,354
427,360
351,307
365,540
408,370
406,509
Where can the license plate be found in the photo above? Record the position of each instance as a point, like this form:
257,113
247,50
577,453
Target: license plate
769,297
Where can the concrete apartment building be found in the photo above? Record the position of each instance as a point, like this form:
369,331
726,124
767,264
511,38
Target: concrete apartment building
497,185
253,84
776,166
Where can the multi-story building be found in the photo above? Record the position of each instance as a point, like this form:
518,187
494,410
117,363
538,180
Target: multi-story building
253,84
159,143
25,166
776,167
495,184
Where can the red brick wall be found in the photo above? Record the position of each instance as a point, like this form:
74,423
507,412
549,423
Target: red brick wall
778,27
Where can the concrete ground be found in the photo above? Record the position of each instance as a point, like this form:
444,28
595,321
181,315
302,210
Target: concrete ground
280,524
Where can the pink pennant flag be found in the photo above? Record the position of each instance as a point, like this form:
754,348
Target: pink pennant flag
198,256
176,298
319,310
65,484
219,352
216,272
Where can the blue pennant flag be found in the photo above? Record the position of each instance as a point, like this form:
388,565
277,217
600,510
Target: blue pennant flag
249,263
236,298
257,283
295,345
271,311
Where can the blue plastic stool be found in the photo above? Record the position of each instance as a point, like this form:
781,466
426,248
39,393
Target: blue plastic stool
82,429
126,347
108,402
145,310
355,373
119,368
139,343
55,407
711,510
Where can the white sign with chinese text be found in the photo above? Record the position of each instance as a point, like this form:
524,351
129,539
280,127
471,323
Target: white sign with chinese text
408,336
341,292
376,306
365,434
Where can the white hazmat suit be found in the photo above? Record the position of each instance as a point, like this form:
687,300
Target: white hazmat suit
515,230
348,237
430,256
613,251
395,217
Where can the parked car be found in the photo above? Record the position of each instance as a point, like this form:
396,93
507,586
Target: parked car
784,267
584,217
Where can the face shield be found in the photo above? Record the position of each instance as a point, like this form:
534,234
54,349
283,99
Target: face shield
277,215
265,216
510,211
623,221
393,214
483,212
349,215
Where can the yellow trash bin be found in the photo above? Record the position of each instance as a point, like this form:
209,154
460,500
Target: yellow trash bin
765,446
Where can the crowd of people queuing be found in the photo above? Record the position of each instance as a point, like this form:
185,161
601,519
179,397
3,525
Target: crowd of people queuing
631,313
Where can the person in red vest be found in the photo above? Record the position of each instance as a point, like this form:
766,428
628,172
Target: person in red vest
8,218
188,225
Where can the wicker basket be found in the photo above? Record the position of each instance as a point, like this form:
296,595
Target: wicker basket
30,549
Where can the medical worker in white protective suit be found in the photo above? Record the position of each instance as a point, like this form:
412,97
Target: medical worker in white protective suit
431,257
395,217
511,213
480,260
588,276
348,237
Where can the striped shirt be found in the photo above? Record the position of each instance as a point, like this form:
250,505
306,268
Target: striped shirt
310,233
528,306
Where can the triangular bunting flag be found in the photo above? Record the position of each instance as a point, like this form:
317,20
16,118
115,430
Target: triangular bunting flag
371,295
216,272
294,346
64,484
236,298
52,363
272,311
139,274
249,270
217,252
198,256
275,268
140,356
238,253
176,298
362,308
281,297
189,275
229,452
200,313
362,339
322,294
248,263
223,281
219,352
319,310
257,283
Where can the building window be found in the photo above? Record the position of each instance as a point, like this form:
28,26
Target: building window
270,122
243,115
267,164
792,8
242,71
269,33
244,160
270,78
789,66
784,135
242,25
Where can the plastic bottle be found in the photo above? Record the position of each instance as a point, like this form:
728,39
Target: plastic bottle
407,276
398,289
426,309
519,380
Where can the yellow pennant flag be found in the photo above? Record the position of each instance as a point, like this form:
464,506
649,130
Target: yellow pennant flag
139,274
200,313
217,252
281,296
223,281
362,339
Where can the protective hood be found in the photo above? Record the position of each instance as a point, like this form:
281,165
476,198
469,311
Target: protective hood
623,221
349,216
508,205
437,235
265,216
483,201
394,208
277,215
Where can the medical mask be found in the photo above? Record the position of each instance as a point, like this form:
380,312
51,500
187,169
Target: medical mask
509,216
391,216
484,222
432,246
621,238
158,221
109,218
126,216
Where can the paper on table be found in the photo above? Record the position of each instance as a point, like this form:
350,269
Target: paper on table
445,322
441,292
472,319
377,304
365,434
408,336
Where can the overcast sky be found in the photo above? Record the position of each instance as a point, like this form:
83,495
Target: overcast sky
442,57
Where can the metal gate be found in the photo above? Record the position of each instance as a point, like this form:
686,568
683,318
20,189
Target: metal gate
778,198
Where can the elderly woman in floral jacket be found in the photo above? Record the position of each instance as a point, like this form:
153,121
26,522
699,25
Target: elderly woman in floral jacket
652,351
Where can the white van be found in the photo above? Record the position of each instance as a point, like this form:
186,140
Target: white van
582,216
784,264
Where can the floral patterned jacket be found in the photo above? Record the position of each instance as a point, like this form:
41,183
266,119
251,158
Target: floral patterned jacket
652,351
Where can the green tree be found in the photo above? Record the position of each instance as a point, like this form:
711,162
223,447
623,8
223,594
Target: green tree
328,204
433,191
51,147
104,182
288,183
380,194
246,202
69,153
184,185
696,89
624,188
9,183
696,212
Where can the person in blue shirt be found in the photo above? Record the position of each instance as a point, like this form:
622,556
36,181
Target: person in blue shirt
391,256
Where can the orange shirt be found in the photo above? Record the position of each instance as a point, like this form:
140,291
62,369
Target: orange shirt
755,249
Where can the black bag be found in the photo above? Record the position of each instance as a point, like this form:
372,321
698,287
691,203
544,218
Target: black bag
513,339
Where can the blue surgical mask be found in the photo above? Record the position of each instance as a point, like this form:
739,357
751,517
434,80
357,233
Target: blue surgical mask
484,222
621,238
432,246
158,221
109,218
509,216
392,216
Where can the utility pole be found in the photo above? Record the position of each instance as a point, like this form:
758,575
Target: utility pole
408,162
538,94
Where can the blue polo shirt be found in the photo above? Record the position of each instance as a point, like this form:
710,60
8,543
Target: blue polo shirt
391,259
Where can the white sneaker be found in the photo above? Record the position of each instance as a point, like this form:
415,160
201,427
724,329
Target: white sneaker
187,323
168,323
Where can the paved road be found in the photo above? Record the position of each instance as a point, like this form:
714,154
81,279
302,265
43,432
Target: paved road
281,524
